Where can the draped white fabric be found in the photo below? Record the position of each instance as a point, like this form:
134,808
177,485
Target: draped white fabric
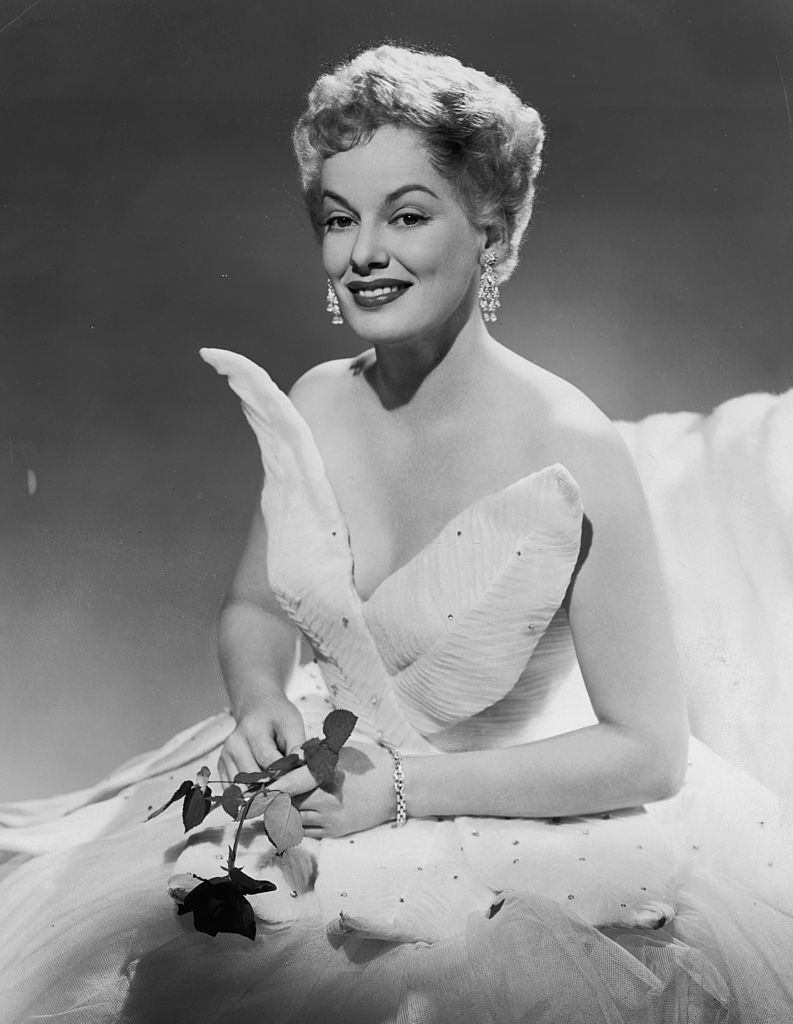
720,489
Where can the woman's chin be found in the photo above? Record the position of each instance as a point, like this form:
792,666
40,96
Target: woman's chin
387,327
383,330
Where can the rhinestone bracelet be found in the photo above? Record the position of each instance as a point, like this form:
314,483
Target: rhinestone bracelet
399,789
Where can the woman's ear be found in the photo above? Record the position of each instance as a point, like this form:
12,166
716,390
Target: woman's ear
496,239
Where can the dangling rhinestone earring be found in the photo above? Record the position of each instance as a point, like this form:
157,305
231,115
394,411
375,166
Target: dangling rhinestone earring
489,300
332,305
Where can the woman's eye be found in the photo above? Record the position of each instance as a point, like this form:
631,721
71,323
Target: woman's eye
337,221
410,220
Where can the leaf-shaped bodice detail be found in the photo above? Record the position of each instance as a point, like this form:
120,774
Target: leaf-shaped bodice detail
448,637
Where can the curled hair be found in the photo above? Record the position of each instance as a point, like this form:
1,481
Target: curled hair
477,133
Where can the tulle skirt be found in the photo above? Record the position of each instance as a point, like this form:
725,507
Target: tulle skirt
89,935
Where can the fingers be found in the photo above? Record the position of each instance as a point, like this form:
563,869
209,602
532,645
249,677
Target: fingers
262,754
232,759
313,823
237,756
260,749
292,736
226,768
297,782
261,737
241,760
259,740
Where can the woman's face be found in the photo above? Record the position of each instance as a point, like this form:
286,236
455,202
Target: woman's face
398,247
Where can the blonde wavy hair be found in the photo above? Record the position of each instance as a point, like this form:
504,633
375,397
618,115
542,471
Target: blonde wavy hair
477,132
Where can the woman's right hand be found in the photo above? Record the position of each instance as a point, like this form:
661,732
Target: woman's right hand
263,734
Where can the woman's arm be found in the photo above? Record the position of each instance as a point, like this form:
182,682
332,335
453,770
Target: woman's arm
258,649
621,626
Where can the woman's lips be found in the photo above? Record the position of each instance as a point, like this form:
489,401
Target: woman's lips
372,296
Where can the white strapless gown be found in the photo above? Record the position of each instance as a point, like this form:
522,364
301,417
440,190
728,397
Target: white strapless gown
681,912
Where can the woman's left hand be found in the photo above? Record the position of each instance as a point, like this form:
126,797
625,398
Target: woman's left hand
362,797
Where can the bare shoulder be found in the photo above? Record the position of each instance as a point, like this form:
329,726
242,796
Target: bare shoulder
588,441
325,391
577,433
591,447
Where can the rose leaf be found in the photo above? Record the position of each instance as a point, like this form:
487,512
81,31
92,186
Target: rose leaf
250,778
282,823
246,884
338,727
197,805
231,801
321,761
184,790
258,804
283,765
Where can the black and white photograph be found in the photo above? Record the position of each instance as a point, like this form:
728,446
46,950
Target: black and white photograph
396,512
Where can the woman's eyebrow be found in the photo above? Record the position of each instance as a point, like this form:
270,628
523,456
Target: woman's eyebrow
327,194
390,198
398,193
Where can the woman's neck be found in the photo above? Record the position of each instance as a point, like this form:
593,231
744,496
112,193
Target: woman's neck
430,374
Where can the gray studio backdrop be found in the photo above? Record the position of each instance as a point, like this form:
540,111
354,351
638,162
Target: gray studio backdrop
149,206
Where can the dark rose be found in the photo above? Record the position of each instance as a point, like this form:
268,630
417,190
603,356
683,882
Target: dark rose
219,905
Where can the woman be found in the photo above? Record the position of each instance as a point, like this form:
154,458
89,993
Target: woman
413,199
422,524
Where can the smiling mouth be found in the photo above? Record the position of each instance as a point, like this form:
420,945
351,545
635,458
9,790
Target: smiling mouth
379,295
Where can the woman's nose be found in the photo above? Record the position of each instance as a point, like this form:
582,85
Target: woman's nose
368,252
